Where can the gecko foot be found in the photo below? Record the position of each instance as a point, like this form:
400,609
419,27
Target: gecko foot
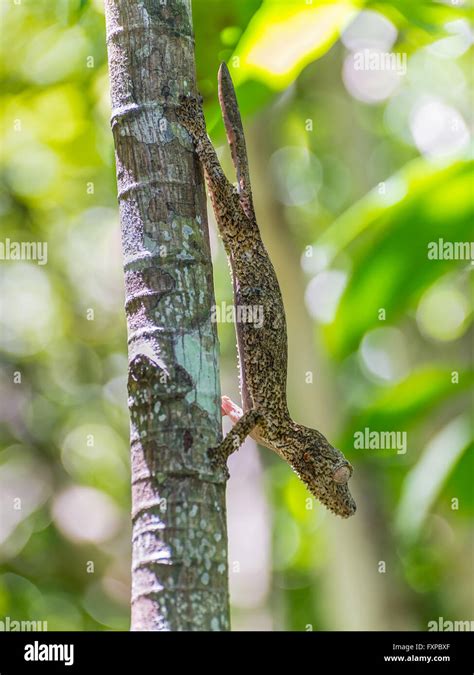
231,409
218,461
218,455
244,425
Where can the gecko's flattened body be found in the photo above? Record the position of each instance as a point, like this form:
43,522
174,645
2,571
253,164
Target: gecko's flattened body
262,344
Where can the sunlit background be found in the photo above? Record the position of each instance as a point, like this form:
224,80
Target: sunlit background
358,119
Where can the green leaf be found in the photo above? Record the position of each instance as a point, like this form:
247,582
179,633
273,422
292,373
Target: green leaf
407,403
284,37
429,15
387,235
424,482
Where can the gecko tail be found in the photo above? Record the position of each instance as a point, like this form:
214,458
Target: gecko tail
235,137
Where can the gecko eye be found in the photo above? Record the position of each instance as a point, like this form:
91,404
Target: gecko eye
342,474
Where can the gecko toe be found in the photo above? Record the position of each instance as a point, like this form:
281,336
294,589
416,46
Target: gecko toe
213,457
216,461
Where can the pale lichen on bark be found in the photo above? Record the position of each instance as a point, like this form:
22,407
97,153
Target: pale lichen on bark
180,574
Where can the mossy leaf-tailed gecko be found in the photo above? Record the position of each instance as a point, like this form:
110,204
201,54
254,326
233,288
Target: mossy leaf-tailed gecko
262,346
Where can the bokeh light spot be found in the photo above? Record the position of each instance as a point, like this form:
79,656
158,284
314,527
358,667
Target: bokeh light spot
369,30
442,313
384,354
323,294
297,174
83,514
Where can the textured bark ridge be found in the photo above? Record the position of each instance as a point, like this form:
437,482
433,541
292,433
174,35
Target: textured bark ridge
180,575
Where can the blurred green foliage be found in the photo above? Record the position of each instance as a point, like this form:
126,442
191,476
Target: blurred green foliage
363,188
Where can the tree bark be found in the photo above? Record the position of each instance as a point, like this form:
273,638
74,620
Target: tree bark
179,549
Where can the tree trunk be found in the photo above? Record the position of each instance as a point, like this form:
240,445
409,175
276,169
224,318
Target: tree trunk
179,568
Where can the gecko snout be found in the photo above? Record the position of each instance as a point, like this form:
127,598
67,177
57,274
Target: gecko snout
325,471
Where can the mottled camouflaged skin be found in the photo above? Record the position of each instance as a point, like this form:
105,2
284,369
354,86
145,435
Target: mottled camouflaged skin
262,350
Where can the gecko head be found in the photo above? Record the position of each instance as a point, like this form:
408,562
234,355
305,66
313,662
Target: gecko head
323,469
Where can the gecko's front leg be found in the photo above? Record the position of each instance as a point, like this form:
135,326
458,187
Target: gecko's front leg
236,436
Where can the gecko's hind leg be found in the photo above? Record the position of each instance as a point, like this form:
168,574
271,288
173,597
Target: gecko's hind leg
235,437
190,114
225,201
